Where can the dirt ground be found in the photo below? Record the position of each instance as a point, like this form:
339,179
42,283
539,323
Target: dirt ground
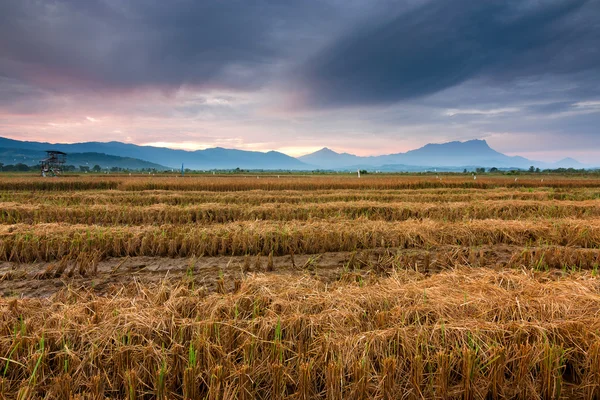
220,273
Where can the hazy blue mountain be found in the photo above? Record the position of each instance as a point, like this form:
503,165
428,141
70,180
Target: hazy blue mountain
329,159
32,157
444,157
456,154
570,163
215,158
453,155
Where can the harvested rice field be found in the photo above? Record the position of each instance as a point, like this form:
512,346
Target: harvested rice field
300,287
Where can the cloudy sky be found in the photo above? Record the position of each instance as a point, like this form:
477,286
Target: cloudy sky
363,76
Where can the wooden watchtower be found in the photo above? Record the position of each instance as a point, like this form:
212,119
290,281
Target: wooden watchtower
53,163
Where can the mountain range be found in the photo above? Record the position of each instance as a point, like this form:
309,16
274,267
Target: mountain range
88,159
452,156
215,158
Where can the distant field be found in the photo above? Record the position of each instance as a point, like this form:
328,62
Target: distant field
300,287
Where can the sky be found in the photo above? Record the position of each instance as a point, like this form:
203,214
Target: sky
367,77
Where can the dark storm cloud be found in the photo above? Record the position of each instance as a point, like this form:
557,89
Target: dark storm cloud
442,44
122,44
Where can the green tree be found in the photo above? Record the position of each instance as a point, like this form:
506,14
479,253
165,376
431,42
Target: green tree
532,169
21,167
97,168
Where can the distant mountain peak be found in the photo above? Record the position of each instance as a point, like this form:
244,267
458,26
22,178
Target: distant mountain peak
327,158
325,150
467,150
473,143
570,162
478,142
482,143
475,152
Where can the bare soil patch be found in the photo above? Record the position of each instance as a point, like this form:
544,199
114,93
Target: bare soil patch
220,273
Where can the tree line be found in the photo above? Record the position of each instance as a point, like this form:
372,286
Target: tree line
20,167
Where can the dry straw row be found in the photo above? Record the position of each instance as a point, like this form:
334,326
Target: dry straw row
272,182
44,242
258,197
219,213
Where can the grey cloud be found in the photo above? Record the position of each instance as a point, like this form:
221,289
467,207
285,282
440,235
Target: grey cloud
442,44
551,108
418,58
129,44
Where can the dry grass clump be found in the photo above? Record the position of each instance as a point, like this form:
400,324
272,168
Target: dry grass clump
458,334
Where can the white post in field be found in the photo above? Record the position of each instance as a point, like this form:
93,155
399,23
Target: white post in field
358,172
